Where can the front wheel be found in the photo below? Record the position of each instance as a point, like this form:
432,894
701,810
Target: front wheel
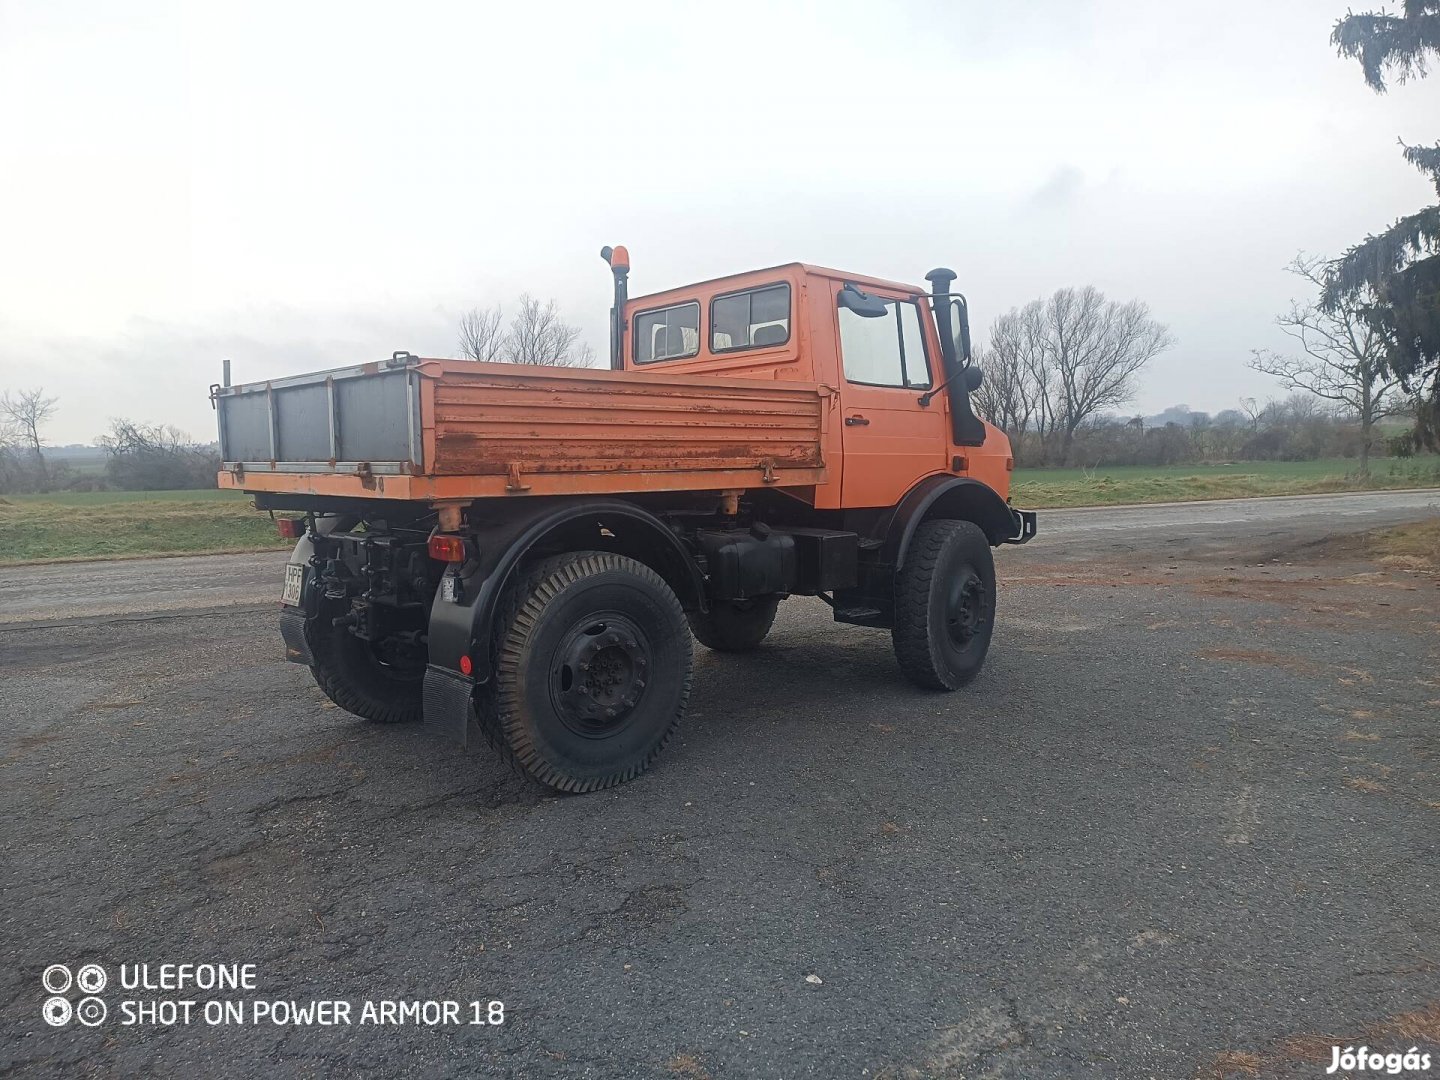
944,605
592,671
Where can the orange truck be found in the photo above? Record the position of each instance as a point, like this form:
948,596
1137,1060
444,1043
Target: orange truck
533,547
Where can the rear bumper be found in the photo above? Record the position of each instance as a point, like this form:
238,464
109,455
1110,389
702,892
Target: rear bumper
1025,525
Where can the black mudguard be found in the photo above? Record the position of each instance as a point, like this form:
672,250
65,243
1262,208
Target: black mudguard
463,627
871,602
294,621
949,497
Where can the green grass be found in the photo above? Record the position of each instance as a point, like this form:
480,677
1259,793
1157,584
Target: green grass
129,524
126,524
1042,488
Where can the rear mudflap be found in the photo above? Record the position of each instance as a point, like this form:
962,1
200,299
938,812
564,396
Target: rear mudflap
447,704
292,631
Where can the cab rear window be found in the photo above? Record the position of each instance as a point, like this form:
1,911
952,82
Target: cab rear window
754,319
671,333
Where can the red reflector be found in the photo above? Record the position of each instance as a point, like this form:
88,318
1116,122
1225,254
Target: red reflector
291,528
466,665
446,548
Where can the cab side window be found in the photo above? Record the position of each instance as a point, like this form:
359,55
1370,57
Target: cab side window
753,319
885,351
671,333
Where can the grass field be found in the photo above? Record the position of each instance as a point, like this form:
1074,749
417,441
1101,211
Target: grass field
119,524
1042,488
127,524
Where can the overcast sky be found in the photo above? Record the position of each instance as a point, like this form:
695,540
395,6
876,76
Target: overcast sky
298,186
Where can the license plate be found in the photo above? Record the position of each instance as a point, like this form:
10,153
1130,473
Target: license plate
294,582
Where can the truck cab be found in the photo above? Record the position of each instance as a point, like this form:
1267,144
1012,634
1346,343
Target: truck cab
789,323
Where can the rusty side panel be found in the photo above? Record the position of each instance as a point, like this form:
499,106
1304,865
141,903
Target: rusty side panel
502,430
489,418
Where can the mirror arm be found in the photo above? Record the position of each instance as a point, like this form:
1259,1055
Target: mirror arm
929,395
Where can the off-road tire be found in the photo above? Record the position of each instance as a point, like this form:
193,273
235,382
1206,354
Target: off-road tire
944,605
552,620
734,625
351,675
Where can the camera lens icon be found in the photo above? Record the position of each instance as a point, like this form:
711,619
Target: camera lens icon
91,979
56,978
91,1011
56,1012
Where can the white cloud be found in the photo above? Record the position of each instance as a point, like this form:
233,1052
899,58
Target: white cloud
301,185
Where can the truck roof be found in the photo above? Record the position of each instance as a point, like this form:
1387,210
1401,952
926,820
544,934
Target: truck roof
749,276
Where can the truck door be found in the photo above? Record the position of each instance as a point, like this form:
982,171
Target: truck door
890,439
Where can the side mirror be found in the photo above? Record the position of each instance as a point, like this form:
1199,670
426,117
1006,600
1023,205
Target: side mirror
862,303
962,329
974,376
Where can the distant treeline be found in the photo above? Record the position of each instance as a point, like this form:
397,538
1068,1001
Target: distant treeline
137,457
1297,428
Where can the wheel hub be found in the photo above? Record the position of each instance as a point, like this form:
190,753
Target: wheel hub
966,611
598,675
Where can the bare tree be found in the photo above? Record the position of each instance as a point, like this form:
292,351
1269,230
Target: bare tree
1008,395
536,335
26,412
1079,354
12,467
156,457
1099,347
1343,356
480,335
1252,411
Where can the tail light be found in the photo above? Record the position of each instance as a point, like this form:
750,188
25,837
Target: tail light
445,547
290,528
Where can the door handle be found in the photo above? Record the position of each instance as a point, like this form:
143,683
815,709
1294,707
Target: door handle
855,421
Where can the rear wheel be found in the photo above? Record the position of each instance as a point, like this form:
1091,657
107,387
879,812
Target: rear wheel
592,671
381,681
944,605
734,625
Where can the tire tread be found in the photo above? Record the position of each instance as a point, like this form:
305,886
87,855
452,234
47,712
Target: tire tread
911,634
500,711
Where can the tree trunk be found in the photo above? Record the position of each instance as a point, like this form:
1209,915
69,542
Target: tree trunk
1367,425
34,432
1067,445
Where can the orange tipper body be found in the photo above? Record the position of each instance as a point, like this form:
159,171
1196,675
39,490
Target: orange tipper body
699,413
540,549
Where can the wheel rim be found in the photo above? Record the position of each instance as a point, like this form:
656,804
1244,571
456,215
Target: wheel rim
598,675
967,609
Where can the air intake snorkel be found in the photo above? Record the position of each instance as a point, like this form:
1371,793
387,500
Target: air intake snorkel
619,260
966,429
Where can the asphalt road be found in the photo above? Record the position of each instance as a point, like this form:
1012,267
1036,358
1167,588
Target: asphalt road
1186,823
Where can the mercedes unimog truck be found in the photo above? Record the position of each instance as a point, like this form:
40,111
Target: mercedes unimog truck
533,548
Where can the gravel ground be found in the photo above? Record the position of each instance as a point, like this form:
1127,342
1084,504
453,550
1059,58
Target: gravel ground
1186,824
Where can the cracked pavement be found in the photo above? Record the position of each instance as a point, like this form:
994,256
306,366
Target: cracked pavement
1186,823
